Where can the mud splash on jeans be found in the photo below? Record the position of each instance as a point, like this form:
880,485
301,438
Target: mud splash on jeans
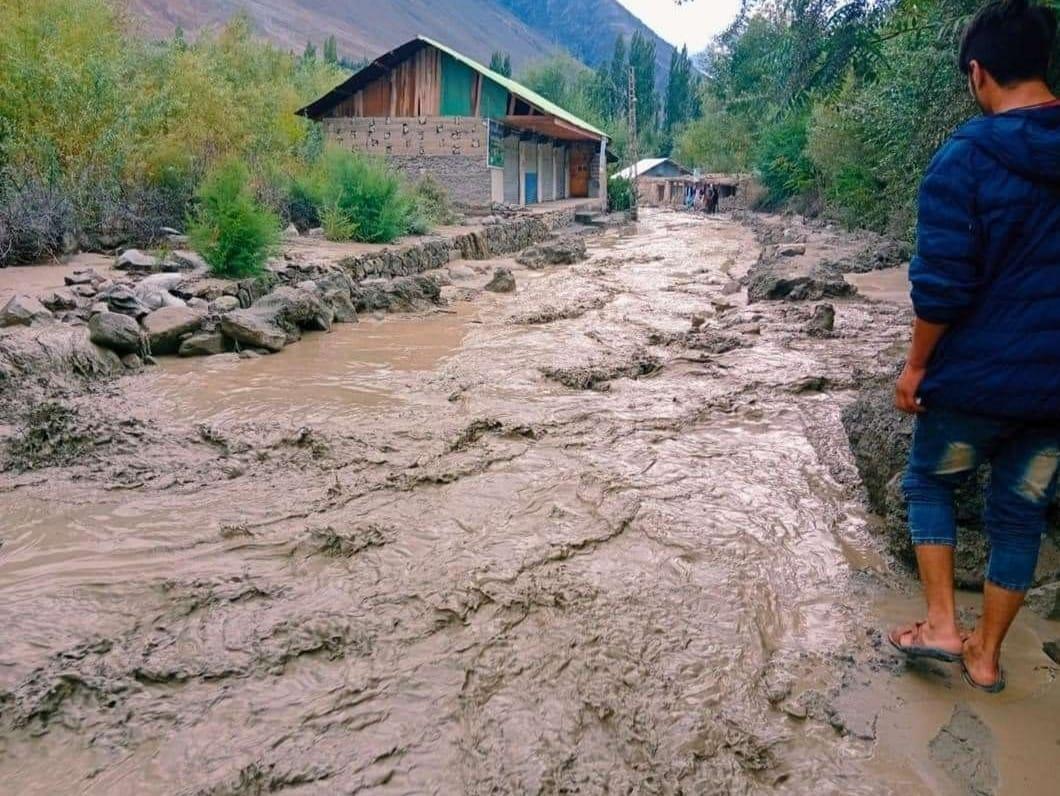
400,558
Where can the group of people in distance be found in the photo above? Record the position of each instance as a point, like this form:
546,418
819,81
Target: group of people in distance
703,198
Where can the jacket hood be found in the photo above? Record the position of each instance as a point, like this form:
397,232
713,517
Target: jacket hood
1025,141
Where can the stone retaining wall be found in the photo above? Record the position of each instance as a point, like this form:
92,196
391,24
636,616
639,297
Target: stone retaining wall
507,236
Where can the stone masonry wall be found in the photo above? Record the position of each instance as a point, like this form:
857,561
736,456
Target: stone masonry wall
508,236
451,149
465,177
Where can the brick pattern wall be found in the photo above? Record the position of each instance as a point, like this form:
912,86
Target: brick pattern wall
410,136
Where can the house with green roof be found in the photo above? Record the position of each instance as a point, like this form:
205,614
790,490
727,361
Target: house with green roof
485,137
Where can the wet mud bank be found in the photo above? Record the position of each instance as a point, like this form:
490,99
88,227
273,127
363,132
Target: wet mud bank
604,533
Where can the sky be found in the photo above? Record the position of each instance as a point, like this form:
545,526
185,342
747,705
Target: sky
694,23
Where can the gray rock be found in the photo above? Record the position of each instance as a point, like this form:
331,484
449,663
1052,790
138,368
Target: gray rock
404,294
204,344
98,307
461,272
773,280
316,232
84,291
292,232
202,305
23,310
249,354
309,285
132,361
84,276
122,300
277,319
166,326
731,288
1045,601
189,261
170,231
563,251
502,282
791,249
61,298
1052,649
224,304
117,332
136,261
823,321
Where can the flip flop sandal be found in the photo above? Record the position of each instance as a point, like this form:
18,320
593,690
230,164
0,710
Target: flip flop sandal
994,688
915,651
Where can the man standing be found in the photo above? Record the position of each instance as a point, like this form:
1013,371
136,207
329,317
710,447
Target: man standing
983,371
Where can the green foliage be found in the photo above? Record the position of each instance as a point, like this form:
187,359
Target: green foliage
642,62
781,161
230,228
125,128
432,203
370,197
336,224
501,63
619,194
681,100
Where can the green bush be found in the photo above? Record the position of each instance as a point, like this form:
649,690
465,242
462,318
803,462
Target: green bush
619,194
781,160
229,227
336,225
433,204
370,197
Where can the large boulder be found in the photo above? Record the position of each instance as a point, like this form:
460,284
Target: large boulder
880,437
277,319
204,344
137,262
562,251
795,278
502,282
403,294
336,289
23,310
117,332
121,299
167,326
62,298
51,354
154,292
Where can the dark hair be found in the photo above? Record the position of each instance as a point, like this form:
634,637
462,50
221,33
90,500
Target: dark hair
1011,39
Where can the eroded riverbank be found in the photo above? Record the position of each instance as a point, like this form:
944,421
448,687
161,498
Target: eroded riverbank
566,540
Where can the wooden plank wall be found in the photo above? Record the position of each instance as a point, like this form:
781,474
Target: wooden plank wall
410,136
412,88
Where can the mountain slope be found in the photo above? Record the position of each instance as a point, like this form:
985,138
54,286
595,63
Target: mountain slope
528,29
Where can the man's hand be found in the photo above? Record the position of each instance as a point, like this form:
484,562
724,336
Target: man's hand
906,389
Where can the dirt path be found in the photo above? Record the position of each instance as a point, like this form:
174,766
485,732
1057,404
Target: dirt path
555,542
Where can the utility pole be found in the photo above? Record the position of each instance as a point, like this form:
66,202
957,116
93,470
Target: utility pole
633,148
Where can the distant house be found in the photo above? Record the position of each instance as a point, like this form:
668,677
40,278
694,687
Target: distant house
485,137
655,167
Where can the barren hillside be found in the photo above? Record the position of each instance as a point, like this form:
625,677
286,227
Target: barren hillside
528,29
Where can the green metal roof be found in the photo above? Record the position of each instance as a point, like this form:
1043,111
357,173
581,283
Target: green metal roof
378,67
518,89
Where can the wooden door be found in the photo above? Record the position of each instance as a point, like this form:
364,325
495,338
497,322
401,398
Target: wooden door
580,159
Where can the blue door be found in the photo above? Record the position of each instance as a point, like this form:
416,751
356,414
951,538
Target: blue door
531,187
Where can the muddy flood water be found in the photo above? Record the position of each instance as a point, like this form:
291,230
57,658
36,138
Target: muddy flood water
545,543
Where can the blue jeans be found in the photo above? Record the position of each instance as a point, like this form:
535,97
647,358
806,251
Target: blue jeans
948,447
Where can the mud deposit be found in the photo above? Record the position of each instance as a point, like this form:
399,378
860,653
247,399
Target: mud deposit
549,542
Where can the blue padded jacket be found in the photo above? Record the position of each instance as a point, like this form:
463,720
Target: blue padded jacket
988,264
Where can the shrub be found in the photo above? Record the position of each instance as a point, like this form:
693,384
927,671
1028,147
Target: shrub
619,194
781,159
37,220
336,225
432,203
370,196
230,228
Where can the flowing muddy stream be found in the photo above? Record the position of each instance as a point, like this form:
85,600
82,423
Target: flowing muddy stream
548,543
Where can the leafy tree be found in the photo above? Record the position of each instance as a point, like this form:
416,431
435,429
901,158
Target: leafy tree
310,52
618,85
680,91
501,63
331,51
642,62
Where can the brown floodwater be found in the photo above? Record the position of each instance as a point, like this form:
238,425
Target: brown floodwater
36,279
541,543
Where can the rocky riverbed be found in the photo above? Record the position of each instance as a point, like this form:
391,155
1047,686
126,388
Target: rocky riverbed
600,530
